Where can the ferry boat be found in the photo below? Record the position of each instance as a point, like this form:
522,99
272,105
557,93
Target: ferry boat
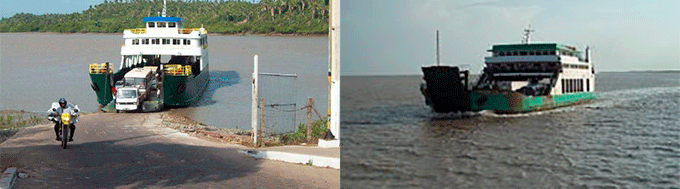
516,78
182,79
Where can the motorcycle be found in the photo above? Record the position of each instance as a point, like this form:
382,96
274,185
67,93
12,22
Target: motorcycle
64,120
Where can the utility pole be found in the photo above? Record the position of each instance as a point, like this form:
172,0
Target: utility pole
334,75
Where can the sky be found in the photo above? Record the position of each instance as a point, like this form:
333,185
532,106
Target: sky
387,37
10,7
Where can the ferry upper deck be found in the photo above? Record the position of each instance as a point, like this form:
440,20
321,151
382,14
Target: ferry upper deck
165,36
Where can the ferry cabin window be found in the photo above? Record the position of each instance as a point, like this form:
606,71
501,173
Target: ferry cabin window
166,41
145,41
175,41
161,24
569,85
172,24
532,53
580,85
514,53
501,53
155,41
187,42
523,53
135,42
151,24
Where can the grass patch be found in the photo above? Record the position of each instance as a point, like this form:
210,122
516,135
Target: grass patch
16,120
300,135
11,121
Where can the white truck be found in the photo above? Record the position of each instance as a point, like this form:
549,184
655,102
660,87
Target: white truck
133,92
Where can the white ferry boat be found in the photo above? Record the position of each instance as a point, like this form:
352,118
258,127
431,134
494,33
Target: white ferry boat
517,78
182,77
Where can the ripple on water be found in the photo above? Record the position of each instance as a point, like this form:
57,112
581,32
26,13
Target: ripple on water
626,139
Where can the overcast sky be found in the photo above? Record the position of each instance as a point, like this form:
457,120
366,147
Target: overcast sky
387,37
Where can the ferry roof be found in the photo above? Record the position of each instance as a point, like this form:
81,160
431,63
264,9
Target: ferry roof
161,19
533,46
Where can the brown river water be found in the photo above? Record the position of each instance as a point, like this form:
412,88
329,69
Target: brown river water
39,68
628,138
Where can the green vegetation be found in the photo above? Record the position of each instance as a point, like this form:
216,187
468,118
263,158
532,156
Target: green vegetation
319,128
12,121
219,16
21,120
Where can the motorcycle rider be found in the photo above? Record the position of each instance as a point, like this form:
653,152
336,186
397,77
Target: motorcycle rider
64,106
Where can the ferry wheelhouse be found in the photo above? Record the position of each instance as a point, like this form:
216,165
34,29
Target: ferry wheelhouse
517,78
179,54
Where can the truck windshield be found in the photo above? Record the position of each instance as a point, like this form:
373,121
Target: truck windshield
133,81
127,94
139,81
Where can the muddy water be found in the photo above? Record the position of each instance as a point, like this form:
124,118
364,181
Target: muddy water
628,138
39,68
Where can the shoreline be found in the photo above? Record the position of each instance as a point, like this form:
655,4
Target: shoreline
243,34
170,120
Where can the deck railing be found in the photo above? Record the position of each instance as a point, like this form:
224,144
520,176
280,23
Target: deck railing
176,69
137,30
97,68
179,31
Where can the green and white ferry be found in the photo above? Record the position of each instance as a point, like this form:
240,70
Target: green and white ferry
517,78
179,54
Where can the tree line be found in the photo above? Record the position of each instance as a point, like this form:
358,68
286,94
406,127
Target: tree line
218,16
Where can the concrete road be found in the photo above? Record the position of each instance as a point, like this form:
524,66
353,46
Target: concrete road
135,151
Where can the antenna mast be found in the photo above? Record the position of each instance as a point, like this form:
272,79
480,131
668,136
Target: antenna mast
526,37
437,47
164,8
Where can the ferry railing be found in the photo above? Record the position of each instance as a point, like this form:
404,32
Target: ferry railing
179,31
189,30
176,69
97,68
137,30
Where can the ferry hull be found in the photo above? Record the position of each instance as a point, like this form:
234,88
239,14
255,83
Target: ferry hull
184,90
445,90
103,84
514,102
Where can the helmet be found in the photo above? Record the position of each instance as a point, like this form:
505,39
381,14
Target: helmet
62,102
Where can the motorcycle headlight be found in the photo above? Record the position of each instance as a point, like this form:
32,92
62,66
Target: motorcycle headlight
65,117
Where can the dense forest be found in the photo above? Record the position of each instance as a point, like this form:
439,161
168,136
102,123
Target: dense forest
217,16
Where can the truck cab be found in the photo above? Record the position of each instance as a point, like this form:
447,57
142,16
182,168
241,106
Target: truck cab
128,99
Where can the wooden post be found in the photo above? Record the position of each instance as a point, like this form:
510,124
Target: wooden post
310,104
262,126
